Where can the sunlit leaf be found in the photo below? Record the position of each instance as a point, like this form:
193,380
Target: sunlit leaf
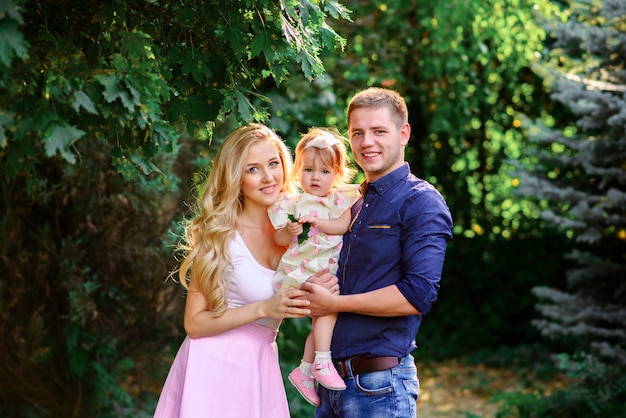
244,107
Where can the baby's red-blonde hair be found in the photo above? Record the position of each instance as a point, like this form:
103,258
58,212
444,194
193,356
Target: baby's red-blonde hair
335,155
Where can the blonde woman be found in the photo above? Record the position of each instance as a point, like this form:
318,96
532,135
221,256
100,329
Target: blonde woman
227,366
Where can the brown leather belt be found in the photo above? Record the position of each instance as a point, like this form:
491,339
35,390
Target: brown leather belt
361,364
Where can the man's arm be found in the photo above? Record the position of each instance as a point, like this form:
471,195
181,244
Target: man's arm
384,302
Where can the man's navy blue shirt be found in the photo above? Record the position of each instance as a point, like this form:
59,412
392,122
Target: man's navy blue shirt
399,236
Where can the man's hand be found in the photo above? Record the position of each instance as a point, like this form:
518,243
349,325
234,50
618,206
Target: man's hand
325,279
320,286
321,299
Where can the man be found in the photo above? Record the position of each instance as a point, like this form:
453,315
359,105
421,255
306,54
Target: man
389,268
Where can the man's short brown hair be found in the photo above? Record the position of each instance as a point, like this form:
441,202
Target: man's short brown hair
381,98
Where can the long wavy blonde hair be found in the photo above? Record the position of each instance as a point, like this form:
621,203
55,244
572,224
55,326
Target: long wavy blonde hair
204,247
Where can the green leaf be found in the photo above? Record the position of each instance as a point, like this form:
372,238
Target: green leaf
310,64
123,165
114,90
11,8
337,10
135,44
330,38
244,107
82,100
305,7
11,42
61,138
164,136
192,64
144,165
262,43
234,37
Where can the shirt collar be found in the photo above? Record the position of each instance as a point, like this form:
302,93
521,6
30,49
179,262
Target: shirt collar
384,183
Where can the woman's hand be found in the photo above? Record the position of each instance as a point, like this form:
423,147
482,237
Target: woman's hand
287,303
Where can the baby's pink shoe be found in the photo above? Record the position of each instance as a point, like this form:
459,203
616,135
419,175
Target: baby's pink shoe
330,379
305,385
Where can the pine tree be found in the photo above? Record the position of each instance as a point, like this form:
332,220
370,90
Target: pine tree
579,174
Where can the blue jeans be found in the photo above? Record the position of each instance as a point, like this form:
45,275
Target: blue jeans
389,393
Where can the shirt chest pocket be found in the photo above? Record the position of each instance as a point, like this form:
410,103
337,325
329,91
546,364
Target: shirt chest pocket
377,243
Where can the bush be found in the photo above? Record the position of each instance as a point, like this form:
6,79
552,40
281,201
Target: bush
83,314
485,300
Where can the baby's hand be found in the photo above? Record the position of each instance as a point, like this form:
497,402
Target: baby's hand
294,228
304,232
313,220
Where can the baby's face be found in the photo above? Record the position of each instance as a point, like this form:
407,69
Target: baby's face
316,178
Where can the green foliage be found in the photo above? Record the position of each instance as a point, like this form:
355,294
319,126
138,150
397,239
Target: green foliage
465,69
475,81
580,172
299,105
138,71
485,300
83,258
98,102
12,41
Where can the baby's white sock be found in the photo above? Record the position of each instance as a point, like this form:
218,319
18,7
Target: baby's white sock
305,368
323,357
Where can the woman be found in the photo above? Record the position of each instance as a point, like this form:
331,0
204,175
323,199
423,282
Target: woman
228,364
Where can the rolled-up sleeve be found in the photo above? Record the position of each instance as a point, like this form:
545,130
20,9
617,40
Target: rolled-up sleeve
427,230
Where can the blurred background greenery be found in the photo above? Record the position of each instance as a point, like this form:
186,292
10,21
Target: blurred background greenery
112,111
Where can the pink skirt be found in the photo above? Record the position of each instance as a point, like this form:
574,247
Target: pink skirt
234,374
